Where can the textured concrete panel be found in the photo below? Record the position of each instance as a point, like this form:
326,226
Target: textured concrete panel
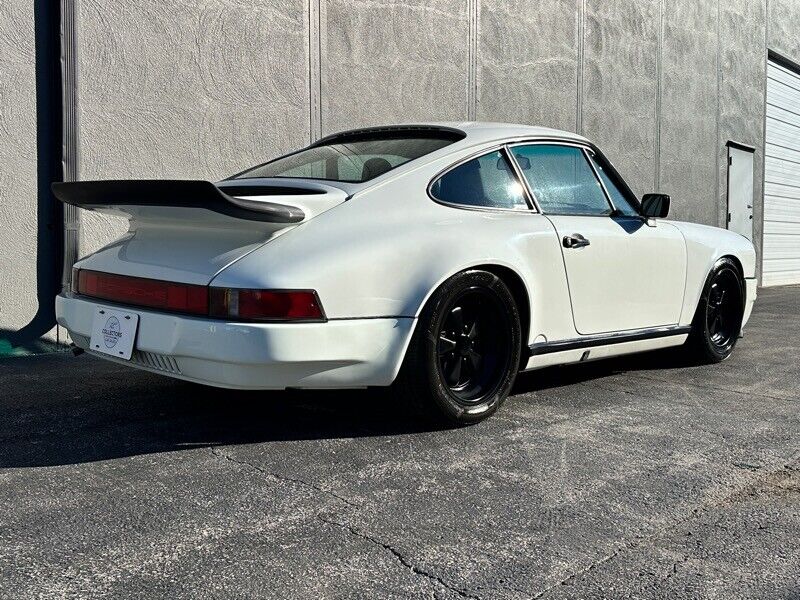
196,92
742,84
393,61
688,140
621,47
784,28
528,62
18,202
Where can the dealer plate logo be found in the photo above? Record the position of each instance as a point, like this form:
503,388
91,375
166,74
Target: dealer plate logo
112,332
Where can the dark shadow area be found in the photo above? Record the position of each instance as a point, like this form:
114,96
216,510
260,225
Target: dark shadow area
30,345
630,224
64,410
84,409
552,377
49,213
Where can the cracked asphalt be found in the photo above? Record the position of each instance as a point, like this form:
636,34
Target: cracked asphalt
640,477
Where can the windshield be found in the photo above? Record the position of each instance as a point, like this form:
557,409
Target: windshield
349,161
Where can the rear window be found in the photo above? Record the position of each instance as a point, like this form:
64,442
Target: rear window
351,159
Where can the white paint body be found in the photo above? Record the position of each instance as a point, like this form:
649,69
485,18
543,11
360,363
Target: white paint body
375,252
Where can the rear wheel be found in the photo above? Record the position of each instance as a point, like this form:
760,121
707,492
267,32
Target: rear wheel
465,352
718,319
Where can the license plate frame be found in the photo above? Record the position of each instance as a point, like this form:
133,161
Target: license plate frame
114,332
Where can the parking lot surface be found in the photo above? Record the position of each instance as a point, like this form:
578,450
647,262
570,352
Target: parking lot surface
640,477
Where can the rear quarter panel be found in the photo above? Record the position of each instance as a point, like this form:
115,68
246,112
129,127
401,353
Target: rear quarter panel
385,251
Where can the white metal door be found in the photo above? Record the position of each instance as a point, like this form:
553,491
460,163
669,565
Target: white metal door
629,276
740,191
781,252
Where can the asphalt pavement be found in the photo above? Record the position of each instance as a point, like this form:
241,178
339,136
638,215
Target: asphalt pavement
639,477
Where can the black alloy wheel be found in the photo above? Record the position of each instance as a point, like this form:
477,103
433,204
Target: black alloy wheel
465,352
723,309
474,344
718,320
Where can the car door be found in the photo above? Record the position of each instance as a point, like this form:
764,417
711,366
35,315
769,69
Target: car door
623,272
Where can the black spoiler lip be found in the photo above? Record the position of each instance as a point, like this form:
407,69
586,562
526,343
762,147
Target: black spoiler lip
172,193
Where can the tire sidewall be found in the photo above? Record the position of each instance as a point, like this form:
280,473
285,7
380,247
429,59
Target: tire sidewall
433,317
709,348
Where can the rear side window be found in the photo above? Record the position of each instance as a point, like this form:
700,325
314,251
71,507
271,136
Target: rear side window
562,180
351,159
487,181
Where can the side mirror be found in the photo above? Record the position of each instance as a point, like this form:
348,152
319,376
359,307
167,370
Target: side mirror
655,206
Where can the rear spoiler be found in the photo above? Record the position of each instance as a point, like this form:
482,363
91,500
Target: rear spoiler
173,193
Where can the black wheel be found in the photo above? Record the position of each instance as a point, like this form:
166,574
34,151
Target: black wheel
718,319
465,352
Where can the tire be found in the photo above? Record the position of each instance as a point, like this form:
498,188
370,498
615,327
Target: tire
464,355
718,319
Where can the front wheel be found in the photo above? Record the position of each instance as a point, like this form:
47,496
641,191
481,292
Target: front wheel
718,319
465,352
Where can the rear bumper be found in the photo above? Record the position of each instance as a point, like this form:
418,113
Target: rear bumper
337,354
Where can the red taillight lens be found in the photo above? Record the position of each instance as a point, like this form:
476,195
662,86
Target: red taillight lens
266,305
225,303
136,291
73,284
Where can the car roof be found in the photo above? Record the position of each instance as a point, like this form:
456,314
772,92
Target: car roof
463,133
469,132
486,131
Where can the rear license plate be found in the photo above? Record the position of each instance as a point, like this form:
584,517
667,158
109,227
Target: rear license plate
113,332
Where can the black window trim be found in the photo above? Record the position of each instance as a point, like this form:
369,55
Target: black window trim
531,206
617,179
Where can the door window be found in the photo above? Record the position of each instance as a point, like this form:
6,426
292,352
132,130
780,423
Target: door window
562,180
487,181
622,201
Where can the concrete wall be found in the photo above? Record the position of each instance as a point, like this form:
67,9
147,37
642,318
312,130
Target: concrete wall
17,164
199,92
660,85
26,217
688,142
527,62
385,62
784,25
742,84
218,85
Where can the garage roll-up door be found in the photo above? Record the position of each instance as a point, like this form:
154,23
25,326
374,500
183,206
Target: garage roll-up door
782,178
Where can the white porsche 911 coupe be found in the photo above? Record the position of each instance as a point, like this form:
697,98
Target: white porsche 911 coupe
438,259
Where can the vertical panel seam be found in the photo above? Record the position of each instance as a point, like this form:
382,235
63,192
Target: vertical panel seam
314,70
760,248
719,109
472,59
581,52
659,94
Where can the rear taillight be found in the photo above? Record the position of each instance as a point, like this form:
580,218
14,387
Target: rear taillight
137,291
223,303
73,284
265,305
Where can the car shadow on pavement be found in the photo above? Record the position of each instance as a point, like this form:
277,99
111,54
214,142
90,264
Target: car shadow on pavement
85,415
558,376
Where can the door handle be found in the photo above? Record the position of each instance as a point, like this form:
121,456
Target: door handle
576,240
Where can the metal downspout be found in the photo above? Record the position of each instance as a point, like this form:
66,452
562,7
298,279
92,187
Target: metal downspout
69,150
